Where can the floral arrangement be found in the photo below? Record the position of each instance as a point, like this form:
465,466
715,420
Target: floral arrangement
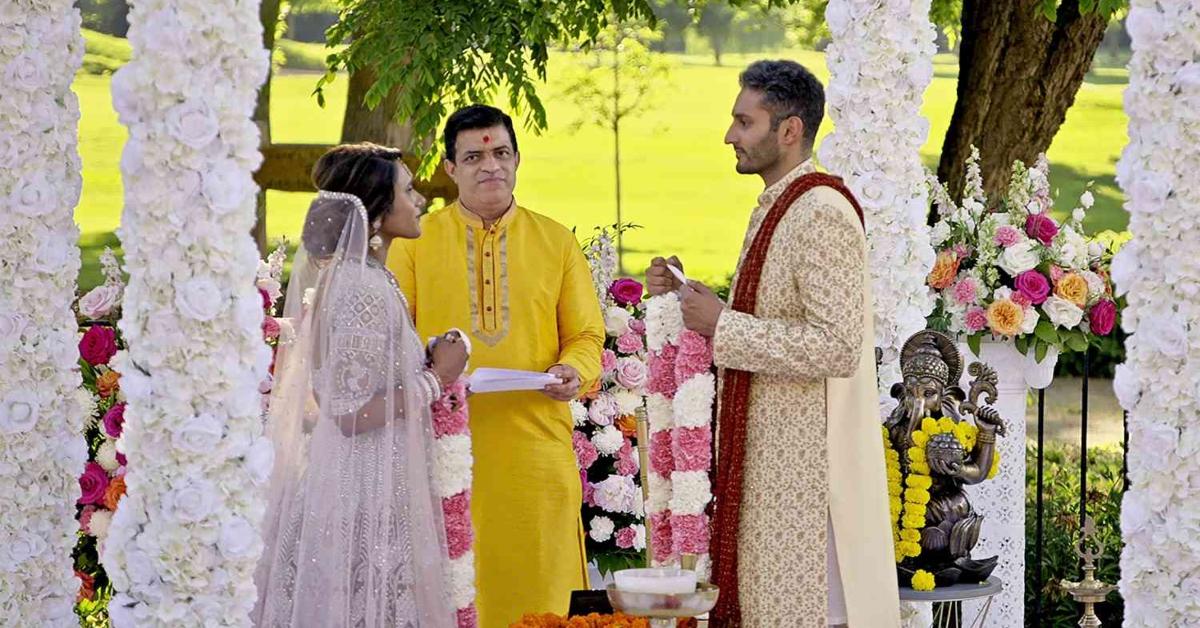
909,483
269,281
1015,273
681,390
594,620
452,482
605,437
1157,272
41,409
880,59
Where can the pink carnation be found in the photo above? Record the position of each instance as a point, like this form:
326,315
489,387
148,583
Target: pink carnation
976,319
1056,273
638,327
661,458
589,491
585,451
660,534
1007,235
1022,299
695,356
457,513
962,251
450,411
662,372
270,328
85,518
627,463
692,448
468,617
965,291
625,538
630,342
608,361
691,533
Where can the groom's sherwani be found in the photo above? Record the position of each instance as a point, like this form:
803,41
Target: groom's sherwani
812,448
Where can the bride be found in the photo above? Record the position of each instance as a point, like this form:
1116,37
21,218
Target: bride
353,529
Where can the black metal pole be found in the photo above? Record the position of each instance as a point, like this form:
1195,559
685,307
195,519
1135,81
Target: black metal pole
1083,444
1039,541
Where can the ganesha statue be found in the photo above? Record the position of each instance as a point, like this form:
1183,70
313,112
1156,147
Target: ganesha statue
939,439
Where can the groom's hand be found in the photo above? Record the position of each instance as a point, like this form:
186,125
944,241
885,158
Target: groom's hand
659,280
568,389
701,309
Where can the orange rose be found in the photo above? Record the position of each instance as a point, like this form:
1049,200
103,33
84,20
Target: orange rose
1073,288
628,425
1005,317
945,269
107,383
114,492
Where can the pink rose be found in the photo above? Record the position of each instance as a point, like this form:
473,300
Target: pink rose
965,291
608,361
625,537
692,449
1033,285
630,342
976,319
631,373
270,328
100,301
456,511
1007,235
1041,228
92,484
98,345
691,533
626,291
585,451
603,410
662,371
661,460
627,463
1103,317
114,420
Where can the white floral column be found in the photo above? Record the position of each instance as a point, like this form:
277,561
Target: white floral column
1159,272
41,410
183,546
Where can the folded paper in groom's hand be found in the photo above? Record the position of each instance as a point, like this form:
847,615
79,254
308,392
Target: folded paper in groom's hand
485,380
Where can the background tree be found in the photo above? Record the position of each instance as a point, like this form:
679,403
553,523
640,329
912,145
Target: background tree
615,79
715,23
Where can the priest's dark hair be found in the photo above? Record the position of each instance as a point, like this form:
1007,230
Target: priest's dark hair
471,118
788,89
365,170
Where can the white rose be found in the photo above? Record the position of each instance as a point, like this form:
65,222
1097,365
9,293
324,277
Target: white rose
192,502
260,459
248,311
26,72
1144,24
99,301
1019,258
194,124
608,440
99,523
579,412
616,321
106,456
19,411
1125,266
238,538
199,298
1062,312
1029,323
12,325
52,255
1095,283
601,529
227,186
198,435
33,195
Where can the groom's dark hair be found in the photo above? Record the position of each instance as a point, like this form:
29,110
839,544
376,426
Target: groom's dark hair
788,89
471,118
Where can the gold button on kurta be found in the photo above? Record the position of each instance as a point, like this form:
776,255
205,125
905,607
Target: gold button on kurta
523,292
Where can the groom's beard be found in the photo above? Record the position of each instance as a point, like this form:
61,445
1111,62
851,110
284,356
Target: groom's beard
759,157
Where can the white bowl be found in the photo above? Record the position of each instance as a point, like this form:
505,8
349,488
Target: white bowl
661,580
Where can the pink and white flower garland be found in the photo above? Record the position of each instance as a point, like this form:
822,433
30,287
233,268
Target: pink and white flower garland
452,481
679,407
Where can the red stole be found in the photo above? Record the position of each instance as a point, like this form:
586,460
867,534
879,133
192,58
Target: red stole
735,402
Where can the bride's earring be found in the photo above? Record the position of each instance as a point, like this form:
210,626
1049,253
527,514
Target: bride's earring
376,241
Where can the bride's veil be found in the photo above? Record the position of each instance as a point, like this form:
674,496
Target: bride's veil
353,529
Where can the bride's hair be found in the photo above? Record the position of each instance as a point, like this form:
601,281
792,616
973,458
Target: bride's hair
365,170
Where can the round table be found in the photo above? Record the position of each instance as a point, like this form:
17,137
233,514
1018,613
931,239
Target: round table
949,614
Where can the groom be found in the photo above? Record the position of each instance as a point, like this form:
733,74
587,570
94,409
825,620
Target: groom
800,532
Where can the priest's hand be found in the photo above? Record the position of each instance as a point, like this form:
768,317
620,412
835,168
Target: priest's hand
701,309
659,280
568,389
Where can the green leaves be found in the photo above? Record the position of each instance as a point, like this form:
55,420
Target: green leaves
1046,333
974,341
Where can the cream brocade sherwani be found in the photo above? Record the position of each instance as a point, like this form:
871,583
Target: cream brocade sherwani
813,450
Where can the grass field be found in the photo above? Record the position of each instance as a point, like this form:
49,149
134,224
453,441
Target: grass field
678,177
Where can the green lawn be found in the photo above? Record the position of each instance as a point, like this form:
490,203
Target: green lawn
678,177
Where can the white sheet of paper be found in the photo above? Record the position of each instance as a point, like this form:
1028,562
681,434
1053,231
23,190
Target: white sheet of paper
485,380
678,274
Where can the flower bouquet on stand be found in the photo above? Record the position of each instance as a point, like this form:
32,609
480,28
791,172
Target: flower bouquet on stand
605,437
1011,272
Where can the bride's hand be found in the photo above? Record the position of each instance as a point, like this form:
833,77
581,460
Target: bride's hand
448,358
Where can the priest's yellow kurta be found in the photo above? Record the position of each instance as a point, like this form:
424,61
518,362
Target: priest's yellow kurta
813,449
523,292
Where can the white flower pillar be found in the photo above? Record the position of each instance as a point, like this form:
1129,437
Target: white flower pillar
1159,272
183,546
41,413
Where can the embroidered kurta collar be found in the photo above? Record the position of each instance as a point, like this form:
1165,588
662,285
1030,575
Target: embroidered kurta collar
772,193
473,220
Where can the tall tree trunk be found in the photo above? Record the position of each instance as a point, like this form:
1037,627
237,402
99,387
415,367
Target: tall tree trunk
268,14
1018,74
362,124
